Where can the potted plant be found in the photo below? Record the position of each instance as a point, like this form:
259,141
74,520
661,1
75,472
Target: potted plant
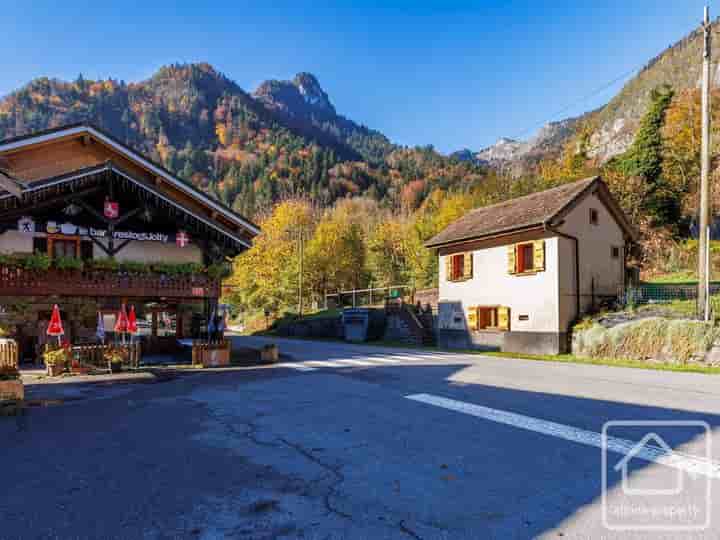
55,361
114,359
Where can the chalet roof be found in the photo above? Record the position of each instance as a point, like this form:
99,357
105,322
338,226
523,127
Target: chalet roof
9,182
528,212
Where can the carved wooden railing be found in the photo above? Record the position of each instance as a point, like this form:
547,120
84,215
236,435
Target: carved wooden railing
8,354
15,281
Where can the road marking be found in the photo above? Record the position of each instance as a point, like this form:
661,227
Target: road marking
652,454
380,360
319,363
368,362
299,367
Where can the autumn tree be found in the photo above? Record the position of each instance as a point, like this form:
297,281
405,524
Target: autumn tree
266,275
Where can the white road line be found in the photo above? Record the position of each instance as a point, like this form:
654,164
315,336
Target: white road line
653,454
299,367
319,363
383,360
368,362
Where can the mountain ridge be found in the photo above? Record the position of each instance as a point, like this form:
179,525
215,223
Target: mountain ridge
249,150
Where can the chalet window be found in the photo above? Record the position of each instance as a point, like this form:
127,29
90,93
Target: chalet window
458,267
86,250
488,318
594,218
64,248
527,257
615,252
40,245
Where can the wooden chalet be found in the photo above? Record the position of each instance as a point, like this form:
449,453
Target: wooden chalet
88,223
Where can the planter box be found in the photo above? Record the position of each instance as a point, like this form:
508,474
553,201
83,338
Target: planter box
55,369
215,357
212,354
12,390
115,367
269,354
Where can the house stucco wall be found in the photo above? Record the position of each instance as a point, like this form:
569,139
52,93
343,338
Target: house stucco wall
15,242
600,274
534,295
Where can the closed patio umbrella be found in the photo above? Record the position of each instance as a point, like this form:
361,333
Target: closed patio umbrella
121,323
100,330
132,327
55,328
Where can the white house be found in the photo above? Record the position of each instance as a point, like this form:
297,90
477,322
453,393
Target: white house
515,275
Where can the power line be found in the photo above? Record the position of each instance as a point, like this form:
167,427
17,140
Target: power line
580,100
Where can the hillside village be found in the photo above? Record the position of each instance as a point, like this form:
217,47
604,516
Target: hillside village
263,255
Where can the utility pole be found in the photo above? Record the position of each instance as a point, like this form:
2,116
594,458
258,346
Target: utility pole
703,243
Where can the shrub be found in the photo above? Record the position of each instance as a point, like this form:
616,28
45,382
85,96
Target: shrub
106,263
219,271
135,267
56,357
177,269
672,340
68,263
9,373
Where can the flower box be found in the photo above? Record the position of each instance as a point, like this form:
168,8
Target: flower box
211,354
53,370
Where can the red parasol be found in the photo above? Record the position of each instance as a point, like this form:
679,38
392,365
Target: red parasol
55,328
121,322
132,321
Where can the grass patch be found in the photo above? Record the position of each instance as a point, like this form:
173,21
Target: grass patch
686,277
570,359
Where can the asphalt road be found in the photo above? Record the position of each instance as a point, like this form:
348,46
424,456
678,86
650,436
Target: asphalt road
357,442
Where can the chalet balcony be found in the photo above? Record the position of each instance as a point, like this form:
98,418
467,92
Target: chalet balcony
18,281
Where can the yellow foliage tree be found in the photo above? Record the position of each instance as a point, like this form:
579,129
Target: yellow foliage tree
266,275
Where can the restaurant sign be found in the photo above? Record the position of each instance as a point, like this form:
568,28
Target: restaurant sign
70,229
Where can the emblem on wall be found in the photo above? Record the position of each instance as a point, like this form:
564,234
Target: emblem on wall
68,228
52,227
26,225
111,209
182,239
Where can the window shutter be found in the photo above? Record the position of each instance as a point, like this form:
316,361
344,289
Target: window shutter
472,318
503,318
511,260
448,268
467,265
539,255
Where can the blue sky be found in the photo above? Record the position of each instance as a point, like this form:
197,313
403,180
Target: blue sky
450,74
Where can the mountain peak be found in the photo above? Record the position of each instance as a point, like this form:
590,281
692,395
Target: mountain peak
310,89
303,95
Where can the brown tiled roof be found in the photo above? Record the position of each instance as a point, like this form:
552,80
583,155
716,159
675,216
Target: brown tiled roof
523,212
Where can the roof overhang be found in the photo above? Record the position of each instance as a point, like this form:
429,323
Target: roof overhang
488,236
91,131
10,185
110,167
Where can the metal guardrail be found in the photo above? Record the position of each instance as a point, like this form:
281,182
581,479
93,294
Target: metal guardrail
367,297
